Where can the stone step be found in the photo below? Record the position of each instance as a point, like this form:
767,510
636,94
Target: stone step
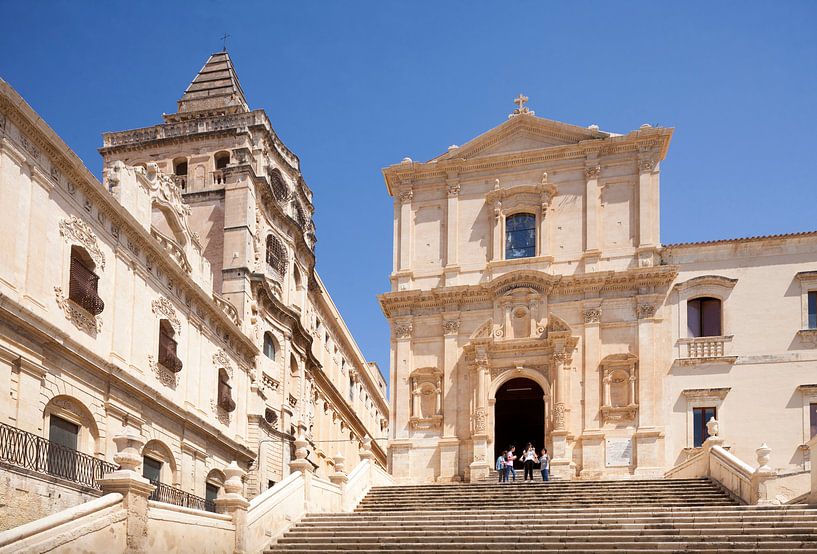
502,534
666,549
658,483
707,545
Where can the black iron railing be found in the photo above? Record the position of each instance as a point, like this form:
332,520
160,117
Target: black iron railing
172,495
26,450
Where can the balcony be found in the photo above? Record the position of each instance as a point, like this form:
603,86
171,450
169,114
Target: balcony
177,497
702,350
28,451
217,177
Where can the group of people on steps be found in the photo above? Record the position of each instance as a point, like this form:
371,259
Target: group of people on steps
529,458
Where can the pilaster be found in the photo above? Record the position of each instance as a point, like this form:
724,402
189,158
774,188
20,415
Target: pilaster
452,219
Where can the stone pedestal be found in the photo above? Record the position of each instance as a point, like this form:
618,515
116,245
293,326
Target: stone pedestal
812,497
449,460
134,488
478,469
592,455
561,466
648,444
233,503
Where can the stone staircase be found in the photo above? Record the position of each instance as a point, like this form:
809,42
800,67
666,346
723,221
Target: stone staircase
684,515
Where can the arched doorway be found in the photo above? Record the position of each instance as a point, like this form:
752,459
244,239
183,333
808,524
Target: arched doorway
519,415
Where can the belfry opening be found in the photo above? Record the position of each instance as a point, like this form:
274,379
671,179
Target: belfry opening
519,415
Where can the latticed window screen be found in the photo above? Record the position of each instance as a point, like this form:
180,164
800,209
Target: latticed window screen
83,282
167,347
279,188
276,255
300,218
225,392
520,236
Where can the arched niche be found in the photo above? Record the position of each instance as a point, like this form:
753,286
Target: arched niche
619,400
425,385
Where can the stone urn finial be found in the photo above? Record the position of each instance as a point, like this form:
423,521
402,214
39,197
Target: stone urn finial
712,427
300,463
235,475
339,477
129,445
366,449
763,454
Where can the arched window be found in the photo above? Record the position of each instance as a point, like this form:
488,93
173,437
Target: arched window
222,159
269,346
279,188
167,347
276,255
180,166
704,317
212,488
520,236
225,391
83,282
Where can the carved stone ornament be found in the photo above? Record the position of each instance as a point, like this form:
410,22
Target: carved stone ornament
163,309
645,310
593,315
451,326
592,171
647,164
403,330
453,189
617,414
76,315
559,416
74,230
481,420
222,361
222,415
406,196
164,375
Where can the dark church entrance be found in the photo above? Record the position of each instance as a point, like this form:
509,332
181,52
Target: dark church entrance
519,415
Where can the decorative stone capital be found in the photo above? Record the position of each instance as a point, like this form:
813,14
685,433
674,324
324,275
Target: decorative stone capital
592,171
451,326
406,196
646,165
592,315
403,330
644,311
453,189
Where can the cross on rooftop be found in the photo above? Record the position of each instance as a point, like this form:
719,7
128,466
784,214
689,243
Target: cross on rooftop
225,37
520,101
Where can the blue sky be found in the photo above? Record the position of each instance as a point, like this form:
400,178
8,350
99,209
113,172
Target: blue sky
352,87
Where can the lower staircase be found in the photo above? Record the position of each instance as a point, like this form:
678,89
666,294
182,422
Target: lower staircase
684,515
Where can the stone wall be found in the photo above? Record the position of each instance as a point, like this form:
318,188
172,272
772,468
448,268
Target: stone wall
26,496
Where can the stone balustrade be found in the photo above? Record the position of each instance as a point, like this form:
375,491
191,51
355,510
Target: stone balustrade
705,349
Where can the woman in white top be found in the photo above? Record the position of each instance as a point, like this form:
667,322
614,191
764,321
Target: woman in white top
529,458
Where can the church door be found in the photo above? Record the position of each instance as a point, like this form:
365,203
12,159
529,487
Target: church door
519,415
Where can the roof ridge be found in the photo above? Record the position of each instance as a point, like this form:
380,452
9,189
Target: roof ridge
740,239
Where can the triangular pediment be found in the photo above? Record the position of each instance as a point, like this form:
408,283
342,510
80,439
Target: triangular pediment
523,133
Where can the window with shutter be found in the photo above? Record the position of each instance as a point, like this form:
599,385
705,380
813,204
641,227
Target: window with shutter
167,347
225,394
83,282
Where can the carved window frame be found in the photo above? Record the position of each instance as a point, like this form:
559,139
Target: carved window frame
713,286
73,411
809,396
421,379
537,223
702,398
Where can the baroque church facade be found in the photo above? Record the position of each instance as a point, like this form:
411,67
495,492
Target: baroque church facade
532,300
178,298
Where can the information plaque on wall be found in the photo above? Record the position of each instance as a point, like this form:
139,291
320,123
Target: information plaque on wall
619,452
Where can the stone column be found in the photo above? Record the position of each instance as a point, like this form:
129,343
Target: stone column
648,436
405,199
592,349
452,261
451,327
647,204
134,488
498,231
592,203
233,503
29,413
403,395
561,465
478,468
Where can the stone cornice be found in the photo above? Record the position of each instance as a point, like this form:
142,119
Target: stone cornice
120,225
706,394
635,142
399,303
707,280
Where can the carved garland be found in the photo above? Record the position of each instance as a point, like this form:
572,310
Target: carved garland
403,330
76,315
164,375
76,231
222,361
451,326
163,308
